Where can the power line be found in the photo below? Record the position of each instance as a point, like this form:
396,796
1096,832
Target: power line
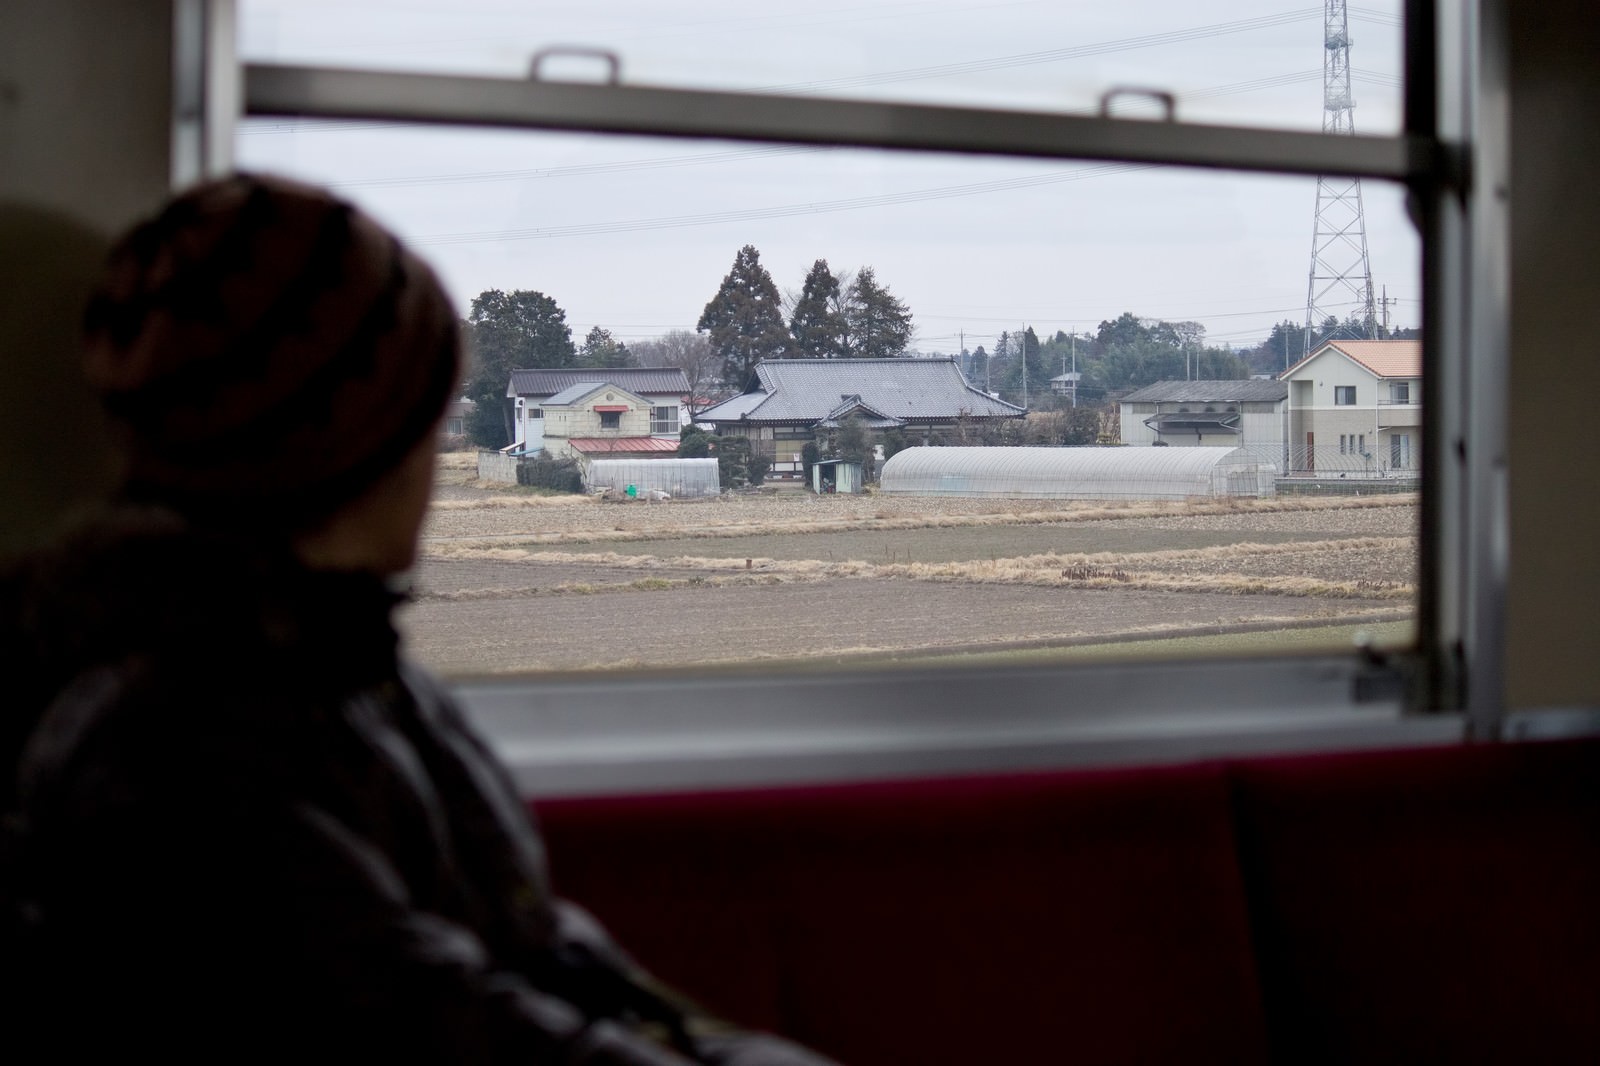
589,169
785,211
1053,55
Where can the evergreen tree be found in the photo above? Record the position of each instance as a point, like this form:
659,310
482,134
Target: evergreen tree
504,332
602,350
1026,352
818,328
879,323
745,318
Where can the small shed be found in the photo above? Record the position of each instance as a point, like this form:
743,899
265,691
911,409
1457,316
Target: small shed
836,475
678,478
1088,473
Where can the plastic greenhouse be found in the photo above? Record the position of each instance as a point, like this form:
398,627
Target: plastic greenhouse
1078,473
678,478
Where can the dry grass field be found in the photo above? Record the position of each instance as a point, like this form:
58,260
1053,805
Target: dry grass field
512,582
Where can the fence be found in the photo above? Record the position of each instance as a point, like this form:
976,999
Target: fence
496,468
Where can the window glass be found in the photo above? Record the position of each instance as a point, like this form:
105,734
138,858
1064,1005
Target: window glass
1235,62
1111,278
1344,395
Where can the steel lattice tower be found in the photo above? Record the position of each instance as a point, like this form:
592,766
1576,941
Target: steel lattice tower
1341,276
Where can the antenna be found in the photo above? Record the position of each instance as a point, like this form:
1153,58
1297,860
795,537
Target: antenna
1341,276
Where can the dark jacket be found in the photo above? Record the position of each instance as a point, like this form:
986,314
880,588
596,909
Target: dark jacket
249,830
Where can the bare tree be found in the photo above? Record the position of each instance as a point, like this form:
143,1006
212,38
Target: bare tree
690,352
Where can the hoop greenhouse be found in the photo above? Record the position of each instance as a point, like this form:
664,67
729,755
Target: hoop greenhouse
1090,473
678,478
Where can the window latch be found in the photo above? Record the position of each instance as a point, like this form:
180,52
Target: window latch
1168,102
613,64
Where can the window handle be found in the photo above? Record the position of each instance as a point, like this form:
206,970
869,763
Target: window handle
605,55
1168,102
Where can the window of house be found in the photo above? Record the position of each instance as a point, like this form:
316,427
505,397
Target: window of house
610,419
884,182
1400,392
535,413
663,420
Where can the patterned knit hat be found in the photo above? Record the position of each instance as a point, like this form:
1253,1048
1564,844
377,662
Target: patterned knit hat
268,352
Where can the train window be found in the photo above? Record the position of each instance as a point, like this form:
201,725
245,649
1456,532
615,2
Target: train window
1094,298
1071,266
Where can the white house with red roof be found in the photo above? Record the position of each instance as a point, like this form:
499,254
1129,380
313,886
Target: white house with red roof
1355,408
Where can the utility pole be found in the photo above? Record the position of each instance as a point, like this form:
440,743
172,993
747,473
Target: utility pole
1074,366
1341,274
1022,346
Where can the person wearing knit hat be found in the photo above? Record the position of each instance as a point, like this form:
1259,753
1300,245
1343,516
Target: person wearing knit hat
239,825
267,352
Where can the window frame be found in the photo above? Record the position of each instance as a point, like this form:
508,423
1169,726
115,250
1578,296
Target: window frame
664,424
1344,396
752,726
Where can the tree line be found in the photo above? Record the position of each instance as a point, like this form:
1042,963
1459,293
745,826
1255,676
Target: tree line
848,314
835,315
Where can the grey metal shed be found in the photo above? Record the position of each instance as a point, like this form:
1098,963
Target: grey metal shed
836,476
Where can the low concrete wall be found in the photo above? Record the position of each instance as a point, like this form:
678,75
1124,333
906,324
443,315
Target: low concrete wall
497,469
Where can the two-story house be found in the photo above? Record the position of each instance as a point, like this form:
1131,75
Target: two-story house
1355,407
666,390
600,419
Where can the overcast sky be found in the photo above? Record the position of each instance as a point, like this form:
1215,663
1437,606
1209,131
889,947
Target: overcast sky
635,234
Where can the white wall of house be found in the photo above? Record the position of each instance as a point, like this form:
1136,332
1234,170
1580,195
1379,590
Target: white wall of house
585,419
664,416
1344,419
529,423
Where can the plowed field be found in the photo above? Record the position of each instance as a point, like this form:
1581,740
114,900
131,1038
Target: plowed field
512,583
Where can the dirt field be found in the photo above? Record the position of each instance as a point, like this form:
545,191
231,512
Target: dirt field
512,582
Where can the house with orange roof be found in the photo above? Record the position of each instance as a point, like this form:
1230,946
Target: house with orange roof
1355,409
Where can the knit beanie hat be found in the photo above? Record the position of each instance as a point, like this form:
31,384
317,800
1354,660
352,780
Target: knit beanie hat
267,352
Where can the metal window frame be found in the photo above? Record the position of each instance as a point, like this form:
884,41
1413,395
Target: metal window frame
697,729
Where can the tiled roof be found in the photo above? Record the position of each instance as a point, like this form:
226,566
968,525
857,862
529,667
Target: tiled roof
653,381
808,390
1248,390
853,405
628,445
1385,359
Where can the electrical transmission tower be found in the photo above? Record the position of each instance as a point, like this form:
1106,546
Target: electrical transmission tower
1341,276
